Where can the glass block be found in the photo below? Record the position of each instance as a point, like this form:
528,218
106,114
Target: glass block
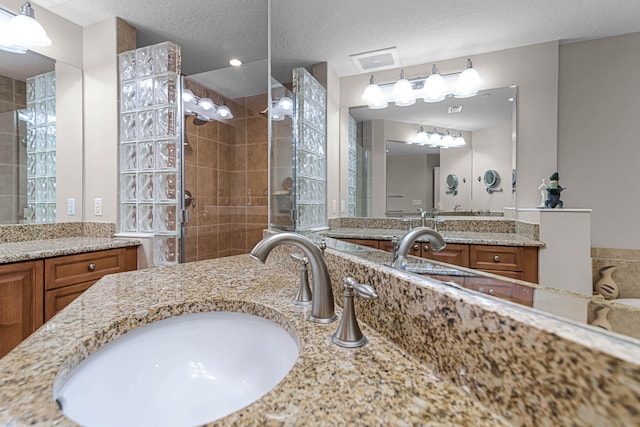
31,140
165,121
41,212
145,155
31,189
144,61
50,110
145,92
50,163
31,164
128,192
41,189
31,89
127,65
40,112
165,219
164,89
166,152
30,213
128,215
145,124
50,138
50,215
50,194
51,84
128,157
145,187
128,129
167,58
41,164
145,218
128,96
41,86
166,186
165,250
40,138
30,114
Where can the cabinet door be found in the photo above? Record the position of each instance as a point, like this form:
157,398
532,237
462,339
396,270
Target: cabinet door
21,295
57,299
451,254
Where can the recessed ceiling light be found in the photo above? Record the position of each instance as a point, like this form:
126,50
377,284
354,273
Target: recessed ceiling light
235,62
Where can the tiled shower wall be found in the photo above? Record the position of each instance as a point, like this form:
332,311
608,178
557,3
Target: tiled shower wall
226,171
13,178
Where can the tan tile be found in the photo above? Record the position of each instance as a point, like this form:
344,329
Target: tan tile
206,212
20,93
226,133
258,156
207,153
257,130
191,179
241,132
6,89
207,182
256,104
239,157
190,149
208,130
224,157
238,185
257,215
8,143
7,180
257,201
189,127
257,183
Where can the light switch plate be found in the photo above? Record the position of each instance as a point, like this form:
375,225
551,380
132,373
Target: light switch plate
97,206
71,206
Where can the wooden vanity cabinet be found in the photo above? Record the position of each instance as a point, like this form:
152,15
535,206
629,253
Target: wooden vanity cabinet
67,277
32,292
516,262
451,254
363,242
21,296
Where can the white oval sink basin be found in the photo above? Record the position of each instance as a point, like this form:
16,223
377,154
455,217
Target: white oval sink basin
181,371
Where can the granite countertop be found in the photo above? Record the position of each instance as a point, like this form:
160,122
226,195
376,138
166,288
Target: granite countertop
465,237
378,384
38,249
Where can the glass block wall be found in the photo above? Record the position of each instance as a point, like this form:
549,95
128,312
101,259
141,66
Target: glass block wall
310,140
150,147
41,148
352,167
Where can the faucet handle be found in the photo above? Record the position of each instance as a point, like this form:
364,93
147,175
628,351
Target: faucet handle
323,245
303,295
348,333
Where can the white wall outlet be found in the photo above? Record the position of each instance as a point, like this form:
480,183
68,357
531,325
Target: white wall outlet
334,207
416,202
97,206
71,206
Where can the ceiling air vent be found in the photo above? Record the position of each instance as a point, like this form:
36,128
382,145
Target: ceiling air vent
455,109
376,60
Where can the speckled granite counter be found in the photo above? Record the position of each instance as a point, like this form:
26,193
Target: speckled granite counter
379,384
464,237
38,249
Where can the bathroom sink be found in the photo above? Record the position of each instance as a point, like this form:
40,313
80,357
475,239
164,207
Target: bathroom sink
185,370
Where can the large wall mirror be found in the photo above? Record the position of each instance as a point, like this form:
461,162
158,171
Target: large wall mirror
40,139
398,171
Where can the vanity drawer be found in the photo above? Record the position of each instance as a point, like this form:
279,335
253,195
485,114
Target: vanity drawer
451,254
57,299
516,262
87,267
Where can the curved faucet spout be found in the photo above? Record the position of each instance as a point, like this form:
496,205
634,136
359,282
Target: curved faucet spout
322,303
437,242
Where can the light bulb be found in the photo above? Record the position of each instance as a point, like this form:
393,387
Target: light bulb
206,104
468,82
447,140
403,92
435,138
23,30
224,112
435,88
372,94
459,141
422,136
188,96
285,104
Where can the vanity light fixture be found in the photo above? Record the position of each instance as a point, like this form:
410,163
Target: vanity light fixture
223,112
434,88
23,29
436,139
235,62
204,108
6,43
459,141
373,96
422,136
281,108
468,83
403,92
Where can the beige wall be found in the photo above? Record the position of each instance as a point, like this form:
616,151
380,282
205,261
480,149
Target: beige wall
534,69
598,144
101,120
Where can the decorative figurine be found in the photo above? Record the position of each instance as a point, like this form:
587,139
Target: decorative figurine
543,192
553,191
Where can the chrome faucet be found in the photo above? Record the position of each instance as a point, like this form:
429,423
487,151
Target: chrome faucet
423,217
437,242
322,303
456,207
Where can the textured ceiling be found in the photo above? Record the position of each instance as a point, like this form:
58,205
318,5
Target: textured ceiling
311,31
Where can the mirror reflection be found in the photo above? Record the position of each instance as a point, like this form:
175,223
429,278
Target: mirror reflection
415,170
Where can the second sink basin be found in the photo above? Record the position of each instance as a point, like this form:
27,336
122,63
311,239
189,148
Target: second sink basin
185,370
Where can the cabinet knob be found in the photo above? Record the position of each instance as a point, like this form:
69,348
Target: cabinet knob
91,267
425,248
496,258
491,292
416,247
